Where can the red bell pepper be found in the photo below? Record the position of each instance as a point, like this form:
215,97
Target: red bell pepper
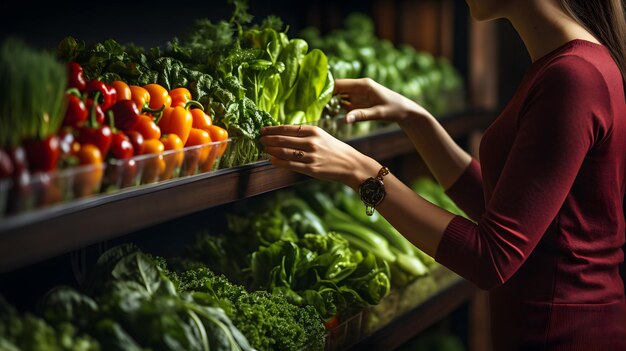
99,136
76,112
136,139
147,128
76,76
103,93
43,155
95,111
66,140
6,165
95,133
125,114
19,159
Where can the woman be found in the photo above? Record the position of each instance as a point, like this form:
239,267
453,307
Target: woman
547,195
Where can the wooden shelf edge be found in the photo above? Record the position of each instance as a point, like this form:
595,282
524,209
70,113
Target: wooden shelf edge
44,233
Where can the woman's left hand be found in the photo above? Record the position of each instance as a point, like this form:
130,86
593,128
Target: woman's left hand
312,151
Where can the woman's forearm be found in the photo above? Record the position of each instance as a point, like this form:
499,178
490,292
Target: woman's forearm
445,159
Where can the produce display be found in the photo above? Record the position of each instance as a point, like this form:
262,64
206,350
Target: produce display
354,51
73,136
112,116
290,277
97,117
291,270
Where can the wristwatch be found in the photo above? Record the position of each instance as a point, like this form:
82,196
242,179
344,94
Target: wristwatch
372,191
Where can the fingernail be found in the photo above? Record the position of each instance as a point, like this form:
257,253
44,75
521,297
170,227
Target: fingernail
349,118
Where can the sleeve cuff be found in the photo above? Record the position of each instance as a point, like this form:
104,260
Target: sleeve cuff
453,244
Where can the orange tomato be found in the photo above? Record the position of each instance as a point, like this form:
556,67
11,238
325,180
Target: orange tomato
122,89
89,154
153,146
159,96
147,128
200,119
173,159
153,167
198,136
218,133
198,155
87,181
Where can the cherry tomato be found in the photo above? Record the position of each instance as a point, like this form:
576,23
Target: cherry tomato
89,154
121,147
332,323
88,181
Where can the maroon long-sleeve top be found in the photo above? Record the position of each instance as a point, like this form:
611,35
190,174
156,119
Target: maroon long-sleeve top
546,202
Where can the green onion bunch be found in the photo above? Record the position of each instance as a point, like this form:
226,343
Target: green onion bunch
32,86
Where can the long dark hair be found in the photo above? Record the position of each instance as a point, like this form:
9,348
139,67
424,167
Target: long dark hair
606,20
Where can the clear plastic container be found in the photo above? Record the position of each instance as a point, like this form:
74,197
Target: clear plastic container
39,190
346,334
170,164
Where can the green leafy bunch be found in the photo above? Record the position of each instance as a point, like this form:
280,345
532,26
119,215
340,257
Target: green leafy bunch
269,321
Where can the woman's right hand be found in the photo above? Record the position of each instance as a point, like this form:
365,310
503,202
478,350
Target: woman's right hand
368,100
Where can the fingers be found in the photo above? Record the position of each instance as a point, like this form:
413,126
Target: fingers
289,130
291,165
289,154
352,86
286,142
365,114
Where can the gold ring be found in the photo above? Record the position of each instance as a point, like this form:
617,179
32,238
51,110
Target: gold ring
298,153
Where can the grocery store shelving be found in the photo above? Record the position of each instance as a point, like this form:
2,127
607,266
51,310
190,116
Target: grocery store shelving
65,227
450,293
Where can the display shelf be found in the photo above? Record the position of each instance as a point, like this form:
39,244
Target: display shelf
34,236
450,292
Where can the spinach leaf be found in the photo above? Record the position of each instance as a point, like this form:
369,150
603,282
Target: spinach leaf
309,86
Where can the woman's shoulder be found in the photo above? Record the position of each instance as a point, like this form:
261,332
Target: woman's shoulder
580,65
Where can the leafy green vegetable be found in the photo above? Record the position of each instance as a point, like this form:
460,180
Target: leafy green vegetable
30,332
354,51
133,305
322,271
268,321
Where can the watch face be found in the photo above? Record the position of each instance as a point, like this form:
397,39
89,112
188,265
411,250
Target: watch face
372,191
